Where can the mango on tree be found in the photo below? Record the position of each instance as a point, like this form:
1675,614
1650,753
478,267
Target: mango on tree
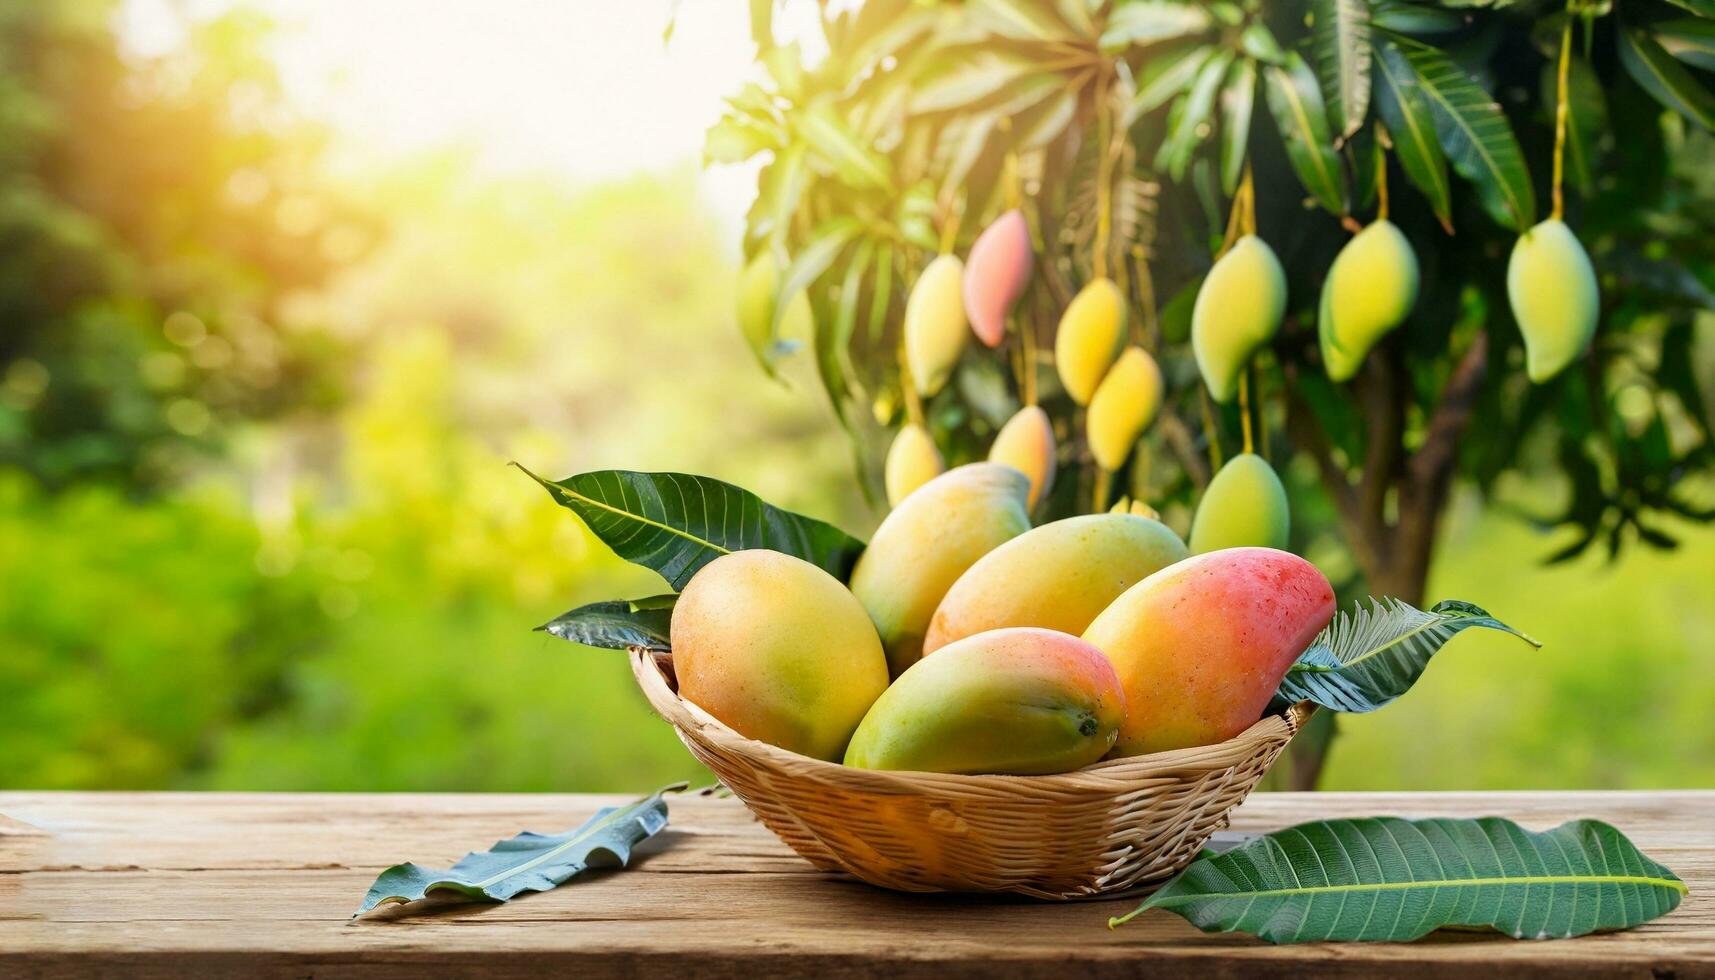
1370,290
1021,701
1238,310
757,286
935,324
1026,443
1092,330
1124,404
1244,505
996,273
912,461
1552,288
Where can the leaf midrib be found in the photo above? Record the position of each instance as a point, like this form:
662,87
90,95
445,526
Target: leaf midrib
1373,651
1302,117
1434,92
599,505
1439,176
1673,884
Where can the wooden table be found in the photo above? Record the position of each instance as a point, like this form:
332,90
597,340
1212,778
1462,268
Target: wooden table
261,885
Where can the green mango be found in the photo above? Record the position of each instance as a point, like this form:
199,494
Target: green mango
1370,290
1552,288
1238,310
1244,505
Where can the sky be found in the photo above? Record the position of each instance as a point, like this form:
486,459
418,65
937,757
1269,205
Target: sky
582,87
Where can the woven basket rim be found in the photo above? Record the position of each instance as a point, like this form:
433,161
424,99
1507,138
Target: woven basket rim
1111,775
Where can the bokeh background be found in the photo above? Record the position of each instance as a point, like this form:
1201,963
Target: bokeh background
285,285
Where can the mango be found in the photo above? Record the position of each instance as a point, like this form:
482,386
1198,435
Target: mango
778,650
1020,701
995,275
912,461
1092,330
1026,443
935,324
757,285
1238,310
1370,290
1244,504
1201,646
1058,576
1124,404
1552,288
927,542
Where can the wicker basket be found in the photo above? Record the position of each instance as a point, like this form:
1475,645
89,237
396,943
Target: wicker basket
1106,828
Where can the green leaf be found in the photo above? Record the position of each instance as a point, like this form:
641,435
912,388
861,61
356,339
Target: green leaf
1415,18
1702,8
855,163
1340,44
1669,81
1384,879
968,81
1164,76
1366,658
1189,122
675,523
734,139
1476,135
811,261
1238,98
529,862
1412,127
780,187
1689,39
1144,22
617,625
1023,20
1295,100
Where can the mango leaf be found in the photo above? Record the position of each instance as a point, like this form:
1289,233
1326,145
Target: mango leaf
529,862
1415,18
856,164
1022,20
617,625
1366,658
1295,100
1164,76
1187,123
675,523
1476,135
811,261
1340,45
1689,39
980,76
1702,8
1145,22
1669,81
1384,879
1412,127
1238,99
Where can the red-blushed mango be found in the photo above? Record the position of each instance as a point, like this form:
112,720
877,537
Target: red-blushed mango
1238,309
912,461
1201,646
1552,288
1019,701
1026,443
1092,330
927,542
996,273
1059,576
1124,404
1370,289
935,328
778,650
1244,505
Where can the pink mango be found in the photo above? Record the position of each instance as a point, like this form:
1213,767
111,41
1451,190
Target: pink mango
1201,645
995,275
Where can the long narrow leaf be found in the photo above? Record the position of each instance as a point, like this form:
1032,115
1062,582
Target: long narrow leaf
1238,100
1366,658
1187,126
675,523
825,244
856,164
1476,135
1340,42
1669,81
617,625
1690,39
1384,879
1164,76
1295,100
1412,127
1152,21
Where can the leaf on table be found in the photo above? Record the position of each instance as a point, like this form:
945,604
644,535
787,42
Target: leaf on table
1366,658
529,862
1384,879
617,625
676,523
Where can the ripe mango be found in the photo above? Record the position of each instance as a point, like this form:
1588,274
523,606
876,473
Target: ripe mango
1021,701
1370,289
1238,309
1201,646
1244,505
757,285
1552,288
935,324
1124,404
927,542
1092,330
1058,576
778,650
1026,443
912,461
995,275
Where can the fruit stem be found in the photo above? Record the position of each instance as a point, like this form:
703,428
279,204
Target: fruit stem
1261,417
1213,433
1248,190
1104,485
1560,111
1150,327
1381,173
1245,406
1027,349
950,228
1104,184
913,404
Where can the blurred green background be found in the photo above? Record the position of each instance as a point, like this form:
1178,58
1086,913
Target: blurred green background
271,329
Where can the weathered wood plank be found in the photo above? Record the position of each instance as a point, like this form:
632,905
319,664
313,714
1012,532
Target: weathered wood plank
261,885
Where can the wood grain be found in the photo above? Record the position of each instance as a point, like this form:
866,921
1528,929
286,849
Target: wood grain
261,885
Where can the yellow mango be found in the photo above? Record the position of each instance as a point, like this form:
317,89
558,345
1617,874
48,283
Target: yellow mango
757,284
1245,504
1370,290
996,274
1092,330
1238,310
912,461
935,328
1552,288
1019,701
927,542
778,650
1124,404
1026,443
1058,576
